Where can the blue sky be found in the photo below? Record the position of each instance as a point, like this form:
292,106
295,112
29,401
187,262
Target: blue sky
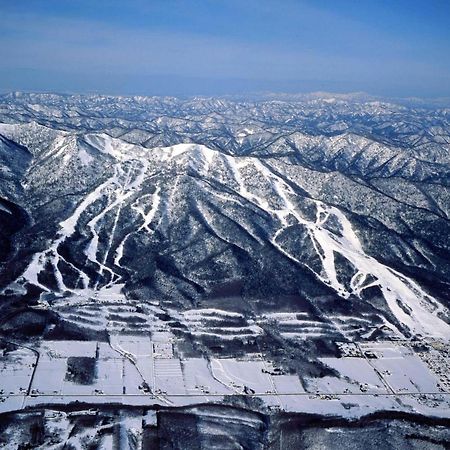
383,47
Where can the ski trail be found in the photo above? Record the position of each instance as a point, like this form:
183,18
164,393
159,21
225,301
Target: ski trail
147,220
146,217
116,190
407,301
117,203
131,187
67,229
126,190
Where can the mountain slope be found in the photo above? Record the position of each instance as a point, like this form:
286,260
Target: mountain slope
175,223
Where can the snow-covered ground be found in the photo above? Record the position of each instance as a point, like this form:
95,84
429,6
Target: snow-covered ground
130,371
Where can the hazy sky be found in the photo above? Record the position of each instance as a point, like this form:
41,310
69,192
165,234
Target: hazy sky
186,47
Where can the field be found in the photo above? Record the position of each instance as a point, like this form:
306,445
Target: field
144,370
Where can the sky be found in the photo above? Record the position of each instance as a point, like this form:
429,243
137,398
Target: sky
395,48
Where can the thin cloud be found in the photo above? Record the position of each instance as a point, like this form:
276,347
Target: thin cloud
306,48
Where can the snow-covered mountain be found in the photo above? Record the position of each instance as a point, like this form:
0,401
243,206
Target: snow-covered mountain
286,192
